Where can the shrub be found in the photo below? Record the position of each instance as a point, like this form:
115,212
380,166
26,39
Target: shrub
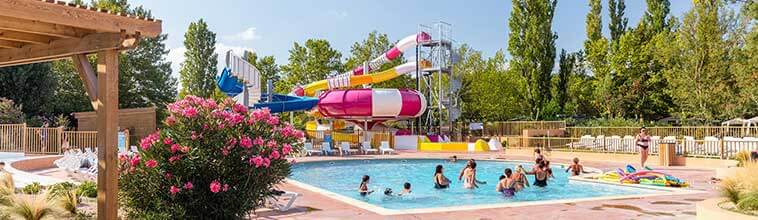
59,189
742,188
31,208
211,160
10,113
88,189
742,157
68,201
33,188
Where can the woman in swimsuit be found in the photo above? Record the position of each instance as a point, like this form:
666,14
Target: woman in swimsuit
643,141
468,164
540,174
440,181
469,177
548,169
576,168
506,184
363,188
519,178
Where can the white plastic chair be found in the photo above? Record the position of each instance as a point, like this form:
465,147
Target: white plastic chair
385,147
282,206
326,148
366,148
345,149
309,149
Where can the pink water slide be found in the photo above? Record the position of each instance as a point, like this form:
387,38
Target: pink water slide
372,104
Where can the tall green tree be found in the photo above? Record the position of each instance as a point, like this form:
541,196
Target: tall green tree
702,83
32,86
373,46
483,97
531,43
746,68
618,22
313,61
566,67
596,52
580,89
198,71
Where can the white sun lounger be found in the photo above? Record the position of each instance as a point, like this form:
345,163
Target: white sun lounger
309,149
385,147
345,149
283,202
366,148
326,148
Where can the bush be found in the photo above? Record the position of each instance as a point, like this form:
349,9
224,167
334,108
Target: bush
742,189
33,188
742,157
209,161
10,113
59,189
88,189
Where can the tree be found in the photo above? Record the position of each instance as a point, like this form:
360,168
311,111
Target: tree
308,63
483,96
32,86
531,43
566,65
702,83
656,15
374,46
580,89
618,21
10,113
746,68
198,71
596,51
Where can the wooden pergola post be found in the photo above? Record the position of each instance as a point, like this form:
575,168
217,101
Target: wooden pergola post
107,134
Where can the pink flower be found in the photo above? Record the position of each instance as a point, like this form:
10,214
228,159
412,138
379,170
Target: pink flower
259,141
168,141
239,108
194,135
189,112
273,121
174,190
226,187
258,161
122,157
299,134
171,120
215,186
231,142
168,175
266,162
271,143
174,158
286,149
184,149
274,155
151,163
246,142
174,148
209,104
148,141
135,160
188,185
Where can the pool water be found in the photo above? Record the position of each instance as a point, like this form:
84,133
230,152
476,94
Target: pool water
344,176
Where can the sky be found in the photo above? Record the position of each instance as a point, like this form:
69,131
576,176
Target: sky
271,27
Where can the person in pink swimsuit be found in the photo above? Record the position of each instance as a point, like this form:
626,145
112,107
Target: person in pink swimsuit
643,142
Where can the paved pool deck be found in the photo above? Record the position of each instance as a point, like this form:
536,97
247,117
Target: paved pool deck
313,205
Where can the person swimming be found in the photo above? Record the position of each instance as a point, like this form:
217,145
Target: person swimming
519,178
363,188
440,181
576,168
506,184
469,177
453,159
406,189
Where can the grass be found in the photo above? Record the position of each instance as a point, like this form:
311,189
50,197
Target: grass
68,201
742,158
31,208
88,189
33,188
742,189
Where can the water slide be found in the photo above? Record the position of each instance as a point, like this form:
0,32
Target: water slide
344,79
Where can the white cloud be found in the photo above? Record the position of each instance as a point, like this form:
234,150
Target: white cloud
246,35
338,14
176,56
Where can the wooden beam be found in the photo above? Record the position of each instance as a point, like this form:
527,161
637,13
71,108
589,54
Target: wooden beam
10,44
62,48
107,134
36,27
87,74
78,17
24,37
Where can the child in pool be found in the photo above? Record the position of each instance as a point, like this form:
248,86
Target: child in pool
505,185
519,178
406,189
363,188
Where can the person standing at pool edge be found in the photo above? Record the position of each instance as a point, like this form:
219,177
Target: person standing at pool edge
440,181
363,188
643,141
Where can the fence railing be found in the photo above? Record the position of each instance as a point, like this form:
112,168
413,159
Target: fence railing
503,128
36,140
698,132
724,148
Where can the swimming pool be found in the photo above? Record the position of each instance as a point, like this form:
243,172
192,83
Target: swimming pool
343,178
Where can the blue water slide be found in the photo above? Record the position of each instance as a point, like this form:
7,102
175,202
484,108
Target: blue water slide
229,84
287,103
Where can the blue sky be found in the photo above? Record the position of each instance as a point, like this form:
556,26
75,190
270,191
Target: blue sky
271,27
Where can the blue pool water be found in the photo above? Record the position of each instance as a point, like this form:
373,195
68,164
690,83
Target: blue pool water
344,177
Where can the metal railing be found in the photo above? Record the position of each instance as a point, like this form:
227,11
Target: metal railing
36,140
12,137
503,128
698,132
710,147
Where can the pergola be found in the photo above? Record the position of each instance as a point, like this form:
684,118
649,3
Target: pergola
33,31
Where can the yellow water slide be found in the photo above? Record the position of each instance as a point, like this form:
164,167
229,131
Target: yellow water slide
348,80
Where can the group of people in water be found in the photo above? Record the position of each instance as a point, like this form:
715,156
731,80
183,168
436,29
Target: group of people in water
510,182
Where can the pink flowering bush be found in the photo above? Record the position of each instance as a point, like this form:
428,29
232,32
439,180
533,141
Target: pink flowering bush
210,161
